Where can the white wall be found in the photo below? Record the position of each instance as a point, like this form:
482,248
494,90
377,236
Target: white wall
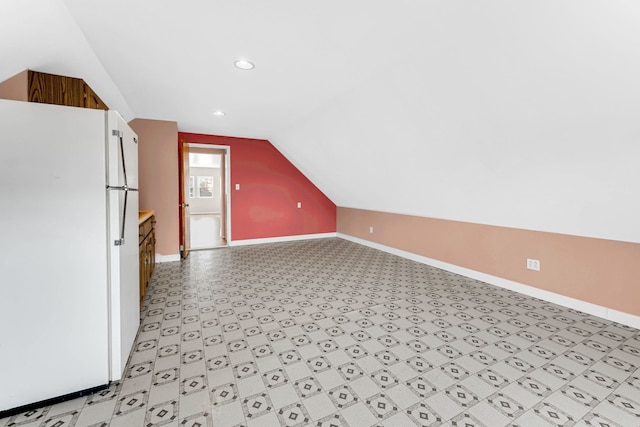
523,115
41,35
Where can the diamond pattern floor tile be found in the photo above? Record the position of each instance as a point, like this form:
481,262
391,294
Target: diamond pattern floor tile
330,333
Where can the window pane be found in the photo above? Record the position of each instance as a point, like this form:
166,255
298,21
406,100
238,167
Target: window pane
205,186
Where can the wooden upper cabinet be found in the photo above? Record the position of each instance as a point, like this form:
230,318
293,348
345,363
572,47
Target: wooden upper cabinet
62,90
34,86
52,89
92,100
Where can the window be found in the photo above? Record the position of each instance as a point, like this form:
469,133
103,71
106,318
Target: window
205,186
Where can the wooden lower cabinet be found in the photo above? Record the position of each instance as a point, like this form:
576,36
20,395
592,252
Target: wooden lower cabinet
147,249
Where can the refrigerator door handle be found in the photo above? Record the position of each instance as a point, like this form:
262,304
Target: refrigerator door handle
125,188
120,241
124,166
121,188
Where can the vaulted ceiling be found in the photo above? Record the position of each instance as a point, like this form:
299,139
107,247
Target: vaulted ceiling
515,113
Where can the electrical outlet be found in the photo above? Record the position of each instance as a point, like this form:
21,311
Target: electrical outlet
237,186
299,205
533,264
371,230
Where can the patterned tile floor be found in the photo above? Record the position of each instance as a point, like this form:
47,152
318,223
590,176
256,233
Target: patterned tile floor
331,333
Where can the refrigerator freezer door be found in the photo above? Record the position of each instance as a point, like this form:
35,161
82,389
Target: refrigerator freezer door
53,296
122,161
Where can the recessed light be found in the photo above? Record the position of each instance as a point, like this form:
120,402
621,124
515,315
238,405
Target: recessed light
243,64
219,113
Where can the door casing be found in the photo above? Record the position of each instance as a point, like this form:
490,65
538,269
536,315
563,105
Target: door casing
226,199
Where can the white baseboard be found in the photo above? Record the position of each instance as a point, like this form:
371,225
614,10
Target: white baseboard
624,318
281,239
167,258
576,304
176,257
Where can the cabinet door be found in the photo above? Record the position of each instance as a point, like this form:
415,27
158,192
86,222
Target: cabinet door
149,248
92,100
52,89
143,271
152,251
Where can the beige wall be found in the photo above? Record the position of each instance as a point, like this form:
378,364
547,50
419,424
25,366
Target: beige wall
598,271
16,88
158,178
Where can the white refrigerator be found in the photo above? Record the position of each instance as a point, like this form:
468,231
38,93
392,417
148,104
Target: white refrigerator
69,292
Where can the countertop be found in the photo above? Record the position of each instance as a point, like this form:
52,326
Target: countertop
144,215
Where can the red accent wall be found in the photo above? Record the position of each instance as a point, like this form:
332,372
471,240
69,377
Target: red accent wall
270,188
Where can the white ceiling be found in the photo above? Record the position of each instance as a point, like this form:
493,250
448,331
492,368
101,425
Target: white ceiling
174,60
516,113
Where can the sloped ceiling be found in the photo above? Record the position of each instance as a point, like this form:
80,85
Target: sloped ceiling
514,113
42,35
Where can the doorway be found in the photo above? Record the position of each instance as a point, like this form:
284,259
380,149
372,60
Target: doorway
205,203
